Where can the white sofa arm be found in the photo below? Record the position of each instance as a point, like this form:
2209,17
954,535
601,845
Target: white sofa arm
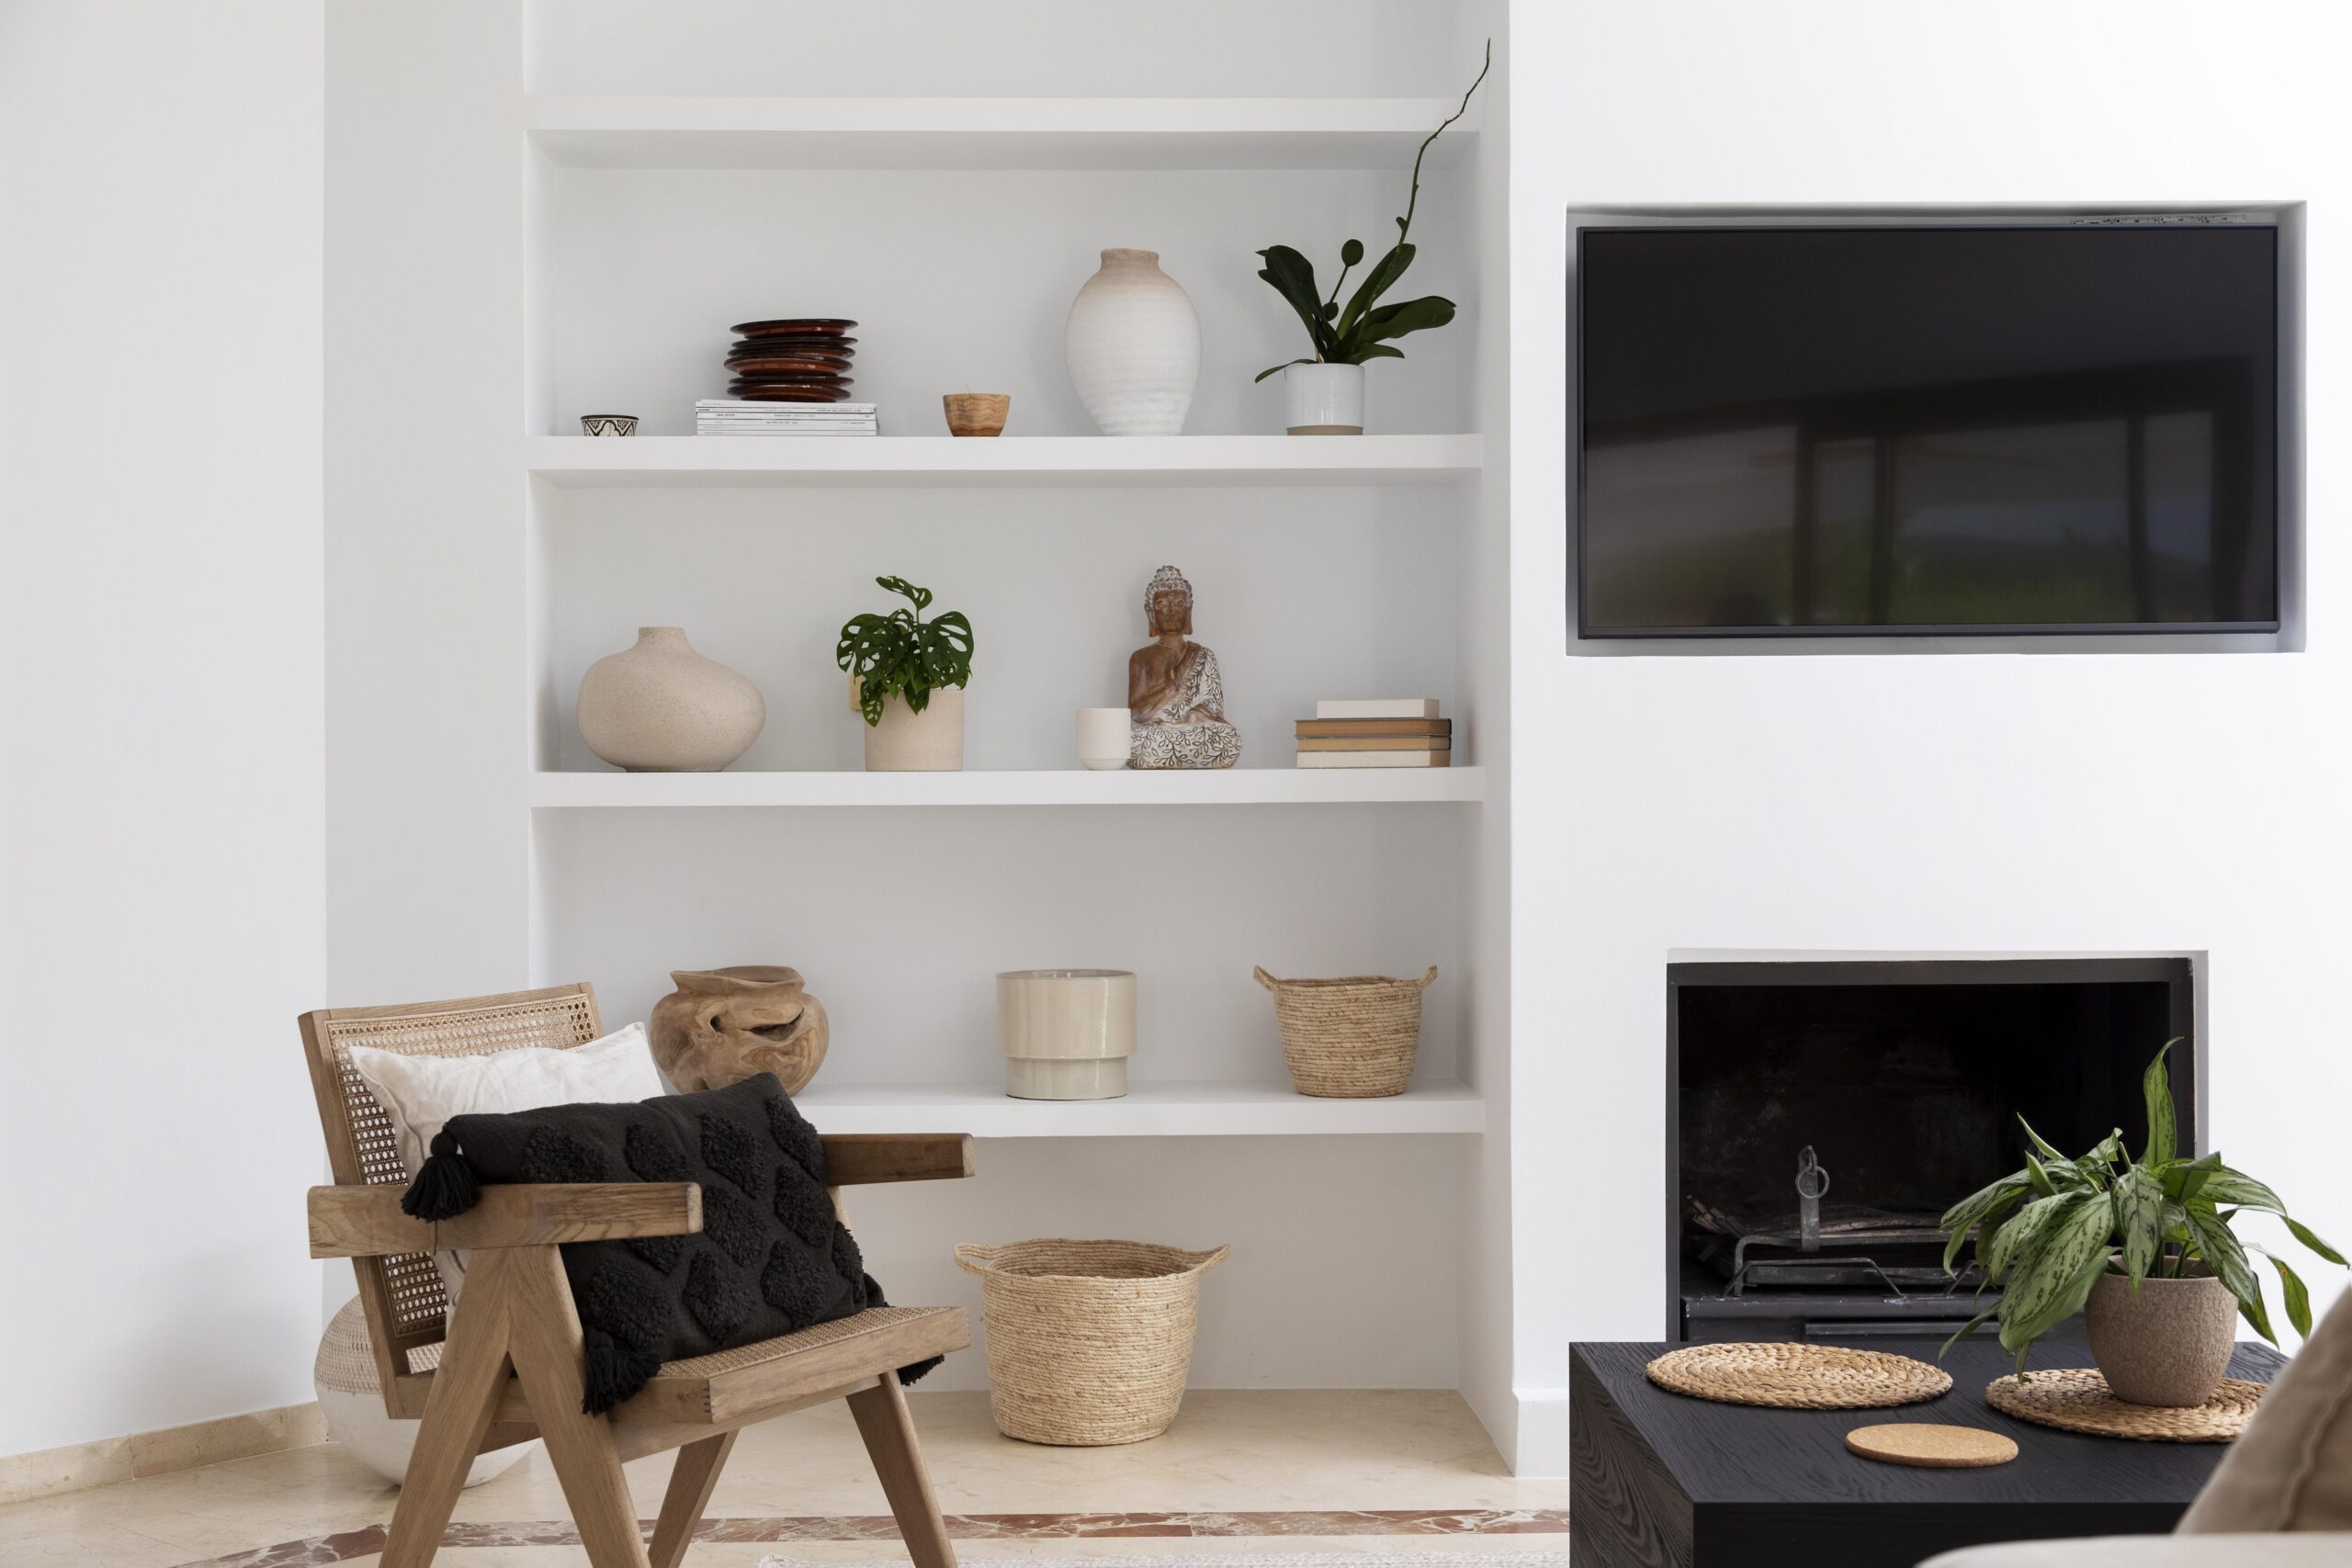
2310,1549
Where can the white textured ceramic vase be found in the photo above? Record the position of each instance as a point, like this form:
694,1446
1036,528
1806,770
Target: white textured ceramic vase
661,707
1134,346
1323,399
1066,1033
344,1375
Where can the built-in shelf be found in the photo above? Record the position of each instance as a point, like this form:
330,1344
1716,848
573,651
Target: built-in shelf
1057,786
1179,1110
988,133
580,462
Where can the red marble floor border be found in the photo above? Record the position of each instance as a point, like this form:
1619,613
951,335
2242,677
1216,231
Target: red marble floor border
315,1551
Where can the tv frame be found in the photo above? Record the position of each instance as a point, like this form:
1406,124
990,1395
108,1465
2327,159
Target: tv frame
2286,360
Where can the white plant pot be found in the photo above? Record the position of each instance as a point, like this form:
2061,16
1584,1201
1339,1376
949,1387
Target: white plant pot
661,707
1105,736
1066,1033
906,742
1323,399
1134,347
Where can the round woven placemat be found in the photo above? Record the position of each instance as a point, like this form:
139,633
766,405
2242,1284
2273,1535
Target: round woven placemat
1798,1377
2077,1400
1928,1444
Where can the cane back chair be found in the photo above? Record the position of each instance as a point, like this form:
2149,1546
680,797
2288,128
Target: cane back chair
506,1366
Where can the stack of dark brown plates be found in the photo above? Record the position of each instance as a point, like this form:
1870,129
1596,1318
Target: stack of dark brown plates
802,360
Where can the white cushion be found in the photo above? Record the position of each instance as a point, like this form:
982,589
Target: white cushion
2314,1550
421,1093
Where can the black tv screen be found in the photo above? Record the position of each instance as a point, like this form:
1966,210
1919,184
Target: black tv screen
1927,429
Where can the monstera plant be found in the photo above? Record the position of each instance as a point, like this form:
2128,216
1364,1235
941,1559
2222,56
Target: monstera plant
1362,328
901,654
2047,1235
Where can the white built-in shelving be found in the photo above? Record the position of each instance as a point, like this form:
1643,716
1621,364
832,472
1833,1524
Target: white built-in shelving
1168,1110
575,462
986,133
1043,786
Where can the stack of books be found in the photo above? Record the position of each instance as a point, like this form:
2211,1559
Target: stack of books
719,416
1378,732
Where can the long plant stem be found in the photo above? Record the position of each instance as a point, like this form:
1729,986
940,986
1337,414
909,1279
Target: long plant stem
1405,224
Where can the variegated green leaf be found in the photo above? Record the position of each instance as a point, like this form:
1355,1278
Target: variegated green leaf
2040,1177
2177,1175
2156,1086
1988,1231
2220,1249
2050,1284
2138,1220
1968,1328
2304,1234
2016,1240
1973,1208
2041,1144
2227,1186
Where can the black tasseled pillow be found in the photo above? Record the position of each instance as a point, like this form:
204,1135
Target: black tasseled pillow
771,1257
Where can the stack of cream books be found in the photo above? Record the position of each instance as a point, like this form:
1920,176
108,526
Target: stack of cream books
1376,732
720,416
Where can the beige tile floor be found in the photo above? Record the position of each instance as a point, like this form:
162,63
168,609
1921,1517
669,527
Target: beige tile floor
1293,1451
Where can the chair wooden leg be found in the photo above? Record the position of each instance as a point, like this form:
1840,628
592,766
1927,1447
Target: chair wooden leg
890,1433
544,1339
456,1417
692,1479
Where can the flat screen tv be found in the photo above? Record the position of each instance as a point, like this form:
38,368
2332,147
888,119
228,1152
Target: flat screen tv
1927,429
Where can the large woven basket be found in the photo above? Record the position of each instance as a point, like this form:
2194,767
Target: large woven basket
1351,1039
1088,1341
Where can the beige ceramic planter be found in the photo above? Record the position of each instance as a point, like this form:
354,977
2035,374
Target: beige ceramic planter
1066,1033
2167,1345
906,742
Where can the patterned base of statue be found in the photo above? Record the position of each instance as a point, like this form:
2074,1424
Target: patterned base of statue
1174,692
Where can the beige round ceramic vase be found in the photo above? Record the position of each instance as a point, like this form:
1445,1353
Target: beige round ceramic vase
2167,1345
1066,1033
1134,344
661,707
906,742
721,1026
345,1377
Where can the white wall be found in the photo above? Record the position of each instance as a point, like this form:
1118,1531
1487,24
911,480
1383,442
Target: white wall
161,786
1934,801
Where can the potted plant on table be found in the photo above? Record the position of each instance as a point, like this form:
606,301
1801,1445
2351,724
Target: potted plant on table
1323,393
906,677
2142,1247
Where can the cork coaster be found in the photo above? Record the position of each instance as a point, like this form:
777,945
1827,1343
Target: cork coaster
1931,1445
2077,1400
1797,1377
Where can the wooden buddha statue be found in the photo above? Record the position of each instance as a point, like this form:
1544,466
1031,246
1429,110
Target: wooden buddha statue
1174,696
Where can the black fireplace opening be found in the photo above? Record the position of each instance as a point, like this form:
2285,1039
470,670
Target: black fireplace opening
1822,1116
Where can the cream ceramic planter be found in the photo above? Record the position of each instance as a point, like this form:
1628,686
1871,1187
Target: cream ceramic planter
661,707
1134,345
1323,399
906,742
1066,1033
2167,1345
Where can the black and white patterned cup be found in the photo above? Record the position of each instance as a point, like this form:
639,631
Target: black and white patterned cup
608,425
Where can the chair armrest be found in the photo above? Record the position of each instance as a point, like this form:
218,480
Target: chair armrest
857,1160
367,1222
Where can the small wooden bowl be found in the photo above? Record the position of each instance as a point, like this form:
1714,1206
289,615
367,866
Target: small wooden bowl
976,413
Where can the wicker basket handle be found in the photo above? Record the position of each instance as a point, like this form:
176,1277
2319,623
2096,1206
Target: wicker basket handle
1275,985
1424,983
1265,979
974,1259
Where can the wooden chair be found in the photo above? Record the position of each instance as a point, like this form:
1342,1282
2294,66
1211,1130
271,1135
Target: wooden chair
505,1367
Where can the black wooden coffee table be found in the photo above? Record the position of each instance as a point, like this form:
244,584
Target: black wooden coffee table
1659,1480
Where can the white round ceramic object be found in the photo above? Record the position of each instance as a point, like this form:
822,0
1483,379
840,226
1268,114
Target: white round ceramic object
1104,736
345,1376
906,742
1066,1033
1134,344
661,707
1323,399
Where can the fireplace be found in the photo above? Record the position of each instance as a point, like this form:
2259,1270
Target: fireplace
1821,1116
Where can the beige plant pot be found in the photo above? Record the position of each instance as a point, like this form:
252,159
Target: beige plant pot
906,742
2167,1345
1066,1033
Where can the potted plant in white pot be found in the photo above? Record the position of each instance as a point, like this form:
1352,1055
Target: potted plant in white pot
1323,393
906,677
2142,1247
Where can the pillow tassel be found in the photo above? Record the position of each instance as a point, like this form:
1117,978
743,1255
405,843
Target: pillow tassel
610,1371
446,1187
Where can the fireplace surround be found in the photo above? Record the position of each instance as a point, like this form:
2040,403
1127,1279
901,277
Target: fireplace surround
1894,1086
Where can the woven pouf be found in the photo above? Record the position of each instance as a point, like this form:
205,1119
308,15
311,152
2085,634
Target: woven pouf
2076,1399
1798,1377
1088,1341
344,1375
1348,1038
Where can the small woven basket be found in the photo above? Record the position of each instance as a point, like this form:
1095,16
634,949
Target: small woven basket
1089,1342
1351,1039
